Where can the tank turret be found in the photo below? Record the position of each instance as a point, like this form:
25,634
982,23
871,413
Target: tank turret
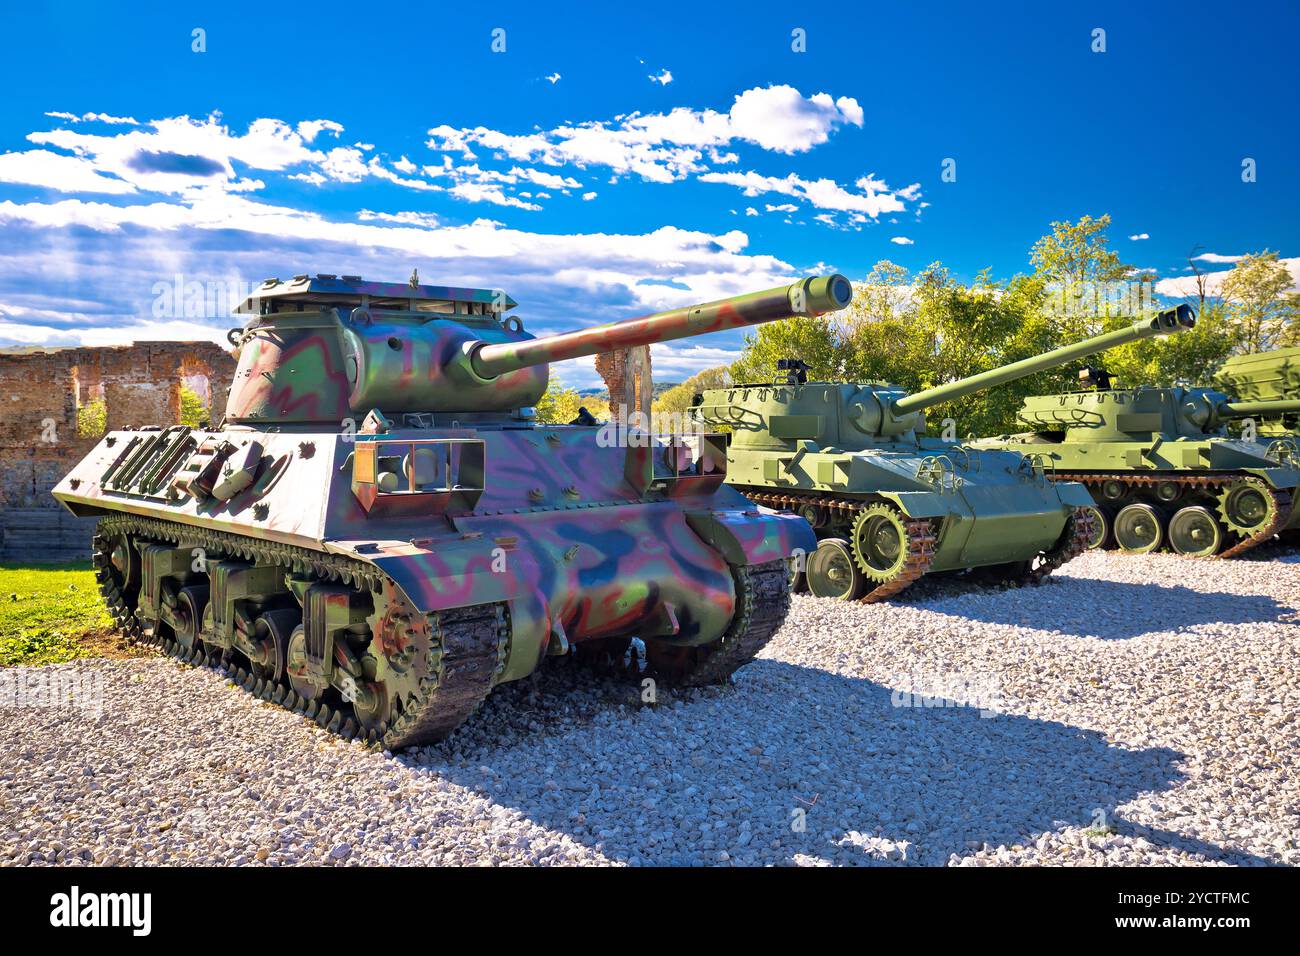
1266,377
325,349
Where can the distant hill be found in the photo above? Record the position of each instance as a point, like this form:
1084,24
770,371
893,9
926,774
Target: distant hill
659,389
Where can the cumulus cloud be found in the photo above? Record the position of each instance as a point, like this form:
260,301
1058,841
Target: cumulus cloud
1216,258
663,78
902,241
553,78
664,147
1139,237
69,174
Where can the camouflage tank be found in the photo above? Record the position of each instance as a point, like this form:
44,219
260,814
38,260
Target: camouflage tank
1265,377
1161,466
380,532
889,505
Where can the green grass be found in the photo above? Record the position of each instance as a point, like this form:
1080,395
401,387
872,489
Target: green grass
50,613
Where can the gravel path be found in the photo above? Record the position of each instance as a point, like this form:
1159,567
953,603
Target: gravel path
1130,711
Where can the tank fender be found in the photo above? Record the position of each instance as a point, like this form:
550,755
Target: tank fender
744,539
462,574
1074,493
920,504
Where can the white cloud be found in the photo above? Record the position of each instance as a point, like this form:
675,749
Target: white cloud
751,211
1139,237
588,197
663,78
1186,286
310,129
902,241
121,251
553,78
69,174
780,119
1216,258
664,147
95,118
873,199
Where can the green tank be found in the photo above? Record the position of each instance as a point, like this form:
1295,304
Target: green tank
889,505
1161,466
1266,377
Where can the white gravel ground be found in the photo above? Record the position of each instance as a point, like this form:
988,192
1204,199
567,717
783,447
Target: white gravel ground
1131,711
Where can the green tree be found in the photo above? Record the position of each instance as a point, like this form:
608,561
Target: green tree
1077,253
92,419
560,404
1255,293
678,398
193,412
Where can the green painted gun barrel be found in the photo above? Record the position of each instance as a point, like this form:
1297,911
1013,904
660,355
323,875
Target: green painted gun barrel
813,296
1163,323
1288,406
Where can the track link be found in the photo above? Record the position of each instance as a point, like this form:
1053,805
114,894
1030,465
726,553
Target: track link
466,656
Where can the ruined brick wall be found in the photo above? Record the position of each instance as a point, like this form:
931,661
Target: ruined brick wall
41,390
627,375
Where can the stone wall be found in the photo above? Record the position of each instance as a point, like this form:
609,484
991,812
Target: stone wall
41,390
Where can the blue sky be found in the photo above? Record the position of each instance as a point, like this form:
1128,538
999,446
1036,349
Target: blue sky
613,160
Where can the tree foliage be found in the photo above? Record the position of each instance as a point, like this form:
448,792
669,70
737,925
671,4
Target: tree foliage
193,412
1257,307
926,329
679,397
92,419
560,404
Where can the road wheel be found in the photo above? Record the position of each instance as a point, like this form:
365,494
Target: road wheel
1138,529
1100,528
1194,531
832,572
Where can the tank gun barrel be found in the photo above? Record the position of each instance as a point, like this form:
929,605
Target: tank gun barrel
1163,323
1280,406
812,296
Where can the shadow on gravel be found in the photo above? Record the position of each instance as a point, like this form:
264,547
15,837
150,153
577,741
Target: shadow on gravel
728,769
1109,610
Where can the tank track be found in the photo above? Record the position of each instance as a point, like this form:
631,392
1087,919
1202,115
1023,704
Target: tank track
762,603
469,652
1282,500
919,544
1074,542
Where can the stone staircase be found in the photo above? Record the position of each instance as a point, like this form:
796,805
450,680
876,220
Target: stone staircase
44,534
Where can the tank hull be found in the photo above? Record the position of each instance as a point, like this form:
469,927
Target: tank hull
1168,474
574,543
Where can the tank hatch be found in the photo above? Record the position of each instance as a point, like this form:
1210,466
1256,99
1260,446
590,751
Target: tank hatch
306,293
